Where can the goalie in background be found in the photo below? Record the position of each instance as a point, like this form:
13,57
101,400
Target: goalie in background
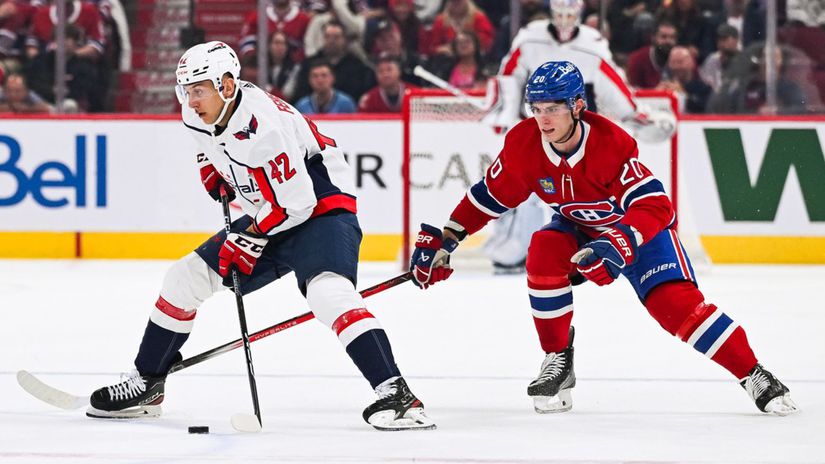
564,38
612,218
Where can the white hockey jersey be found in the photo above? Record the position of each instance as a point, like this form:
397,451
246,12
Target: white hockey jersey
282,169
535,45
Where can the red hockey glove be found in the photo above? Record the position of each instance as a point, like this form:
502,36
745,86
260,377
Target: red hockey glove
430,262
242,251
212,180
602,260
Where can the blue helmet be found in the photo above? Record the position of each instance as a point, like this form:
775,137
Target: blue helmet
554,81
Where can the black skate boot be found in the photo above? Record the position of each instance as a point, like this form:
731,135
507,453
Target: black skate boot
551,389
135,396
769,394
397,408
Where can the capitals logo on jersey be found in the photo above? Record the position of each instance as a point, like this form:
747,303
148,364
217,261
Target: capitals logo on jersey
247,131
595,214
547,185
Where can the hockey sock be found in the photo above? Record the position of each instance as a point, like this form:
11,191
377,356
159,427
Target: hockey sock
367,344
680,309
165,334
552,303
548,284
158,350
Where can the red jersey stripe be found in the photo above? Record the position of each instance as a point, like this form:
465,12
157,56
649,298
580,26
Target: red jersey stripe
337,201
278,214
617,80
511,64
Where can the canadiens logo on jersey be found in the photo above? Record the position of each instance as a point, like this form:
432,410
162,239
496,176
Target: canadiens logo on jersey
247,131
547,185
595,214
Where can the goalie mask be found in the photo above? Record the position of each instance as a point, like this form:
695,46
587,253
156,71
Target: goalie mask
208,61
566,17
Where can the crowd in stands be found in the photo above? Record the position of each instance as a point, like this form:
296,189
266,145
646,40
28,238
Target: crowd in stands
342,56
28,54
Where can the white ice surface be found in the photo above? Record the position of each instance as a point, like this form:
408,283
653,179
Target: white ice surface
467,347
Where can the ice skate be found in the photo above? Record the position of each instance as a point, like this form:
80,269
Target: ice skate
134,397
551,389
397,408
770,395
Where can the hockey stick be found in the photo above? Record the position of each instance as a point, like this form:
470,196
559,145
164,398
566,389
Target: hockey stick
299,319
242,422
444,85
63,400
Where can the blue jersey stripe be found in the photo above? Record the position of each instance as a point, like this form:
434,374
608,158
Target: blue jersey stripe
553,303
652,186
712,333
482,195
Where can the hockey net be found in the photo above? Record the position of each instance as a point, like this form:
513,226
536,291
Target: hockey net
447,148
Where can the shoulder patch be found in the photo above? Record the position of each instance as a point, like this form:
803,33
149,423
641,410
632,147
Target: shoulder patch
248,131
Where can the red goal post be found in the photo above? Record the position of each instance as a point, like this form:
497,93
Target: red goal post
446,146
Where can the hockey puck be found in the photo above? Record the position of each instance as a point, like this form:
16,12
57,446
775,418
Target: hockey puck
199,429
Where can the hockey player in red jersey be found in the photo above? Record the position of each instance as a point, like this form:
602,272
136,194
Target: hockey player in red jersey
297,195
564,38
612,217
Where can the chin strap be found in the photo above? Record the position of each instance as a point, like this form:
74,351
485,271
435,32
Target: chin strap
226,101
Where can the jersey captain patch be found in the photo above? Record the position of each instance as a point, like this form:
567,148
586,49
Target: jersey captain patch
594,214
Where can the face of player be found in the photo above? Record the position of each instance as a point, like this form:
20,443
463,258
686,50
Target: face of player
205,100
554,120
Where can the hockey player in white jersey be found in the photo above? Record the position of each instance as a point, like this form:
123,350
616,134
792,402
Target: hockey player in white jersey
296,191
561,38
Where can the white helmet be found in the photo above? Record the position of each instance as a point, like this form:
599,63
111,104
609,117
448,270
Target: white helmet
567,15
207,61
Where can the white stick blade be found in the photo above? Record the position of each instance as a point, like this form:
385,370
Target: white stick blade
245,423
48,394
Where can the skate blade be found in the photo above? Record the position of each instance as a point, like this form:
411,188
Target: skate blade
781,406
141,412
562,402
245,423
413,419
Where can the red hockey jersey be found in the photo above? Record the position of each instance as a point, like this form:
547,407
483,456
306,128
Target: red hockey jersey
84,15
601,183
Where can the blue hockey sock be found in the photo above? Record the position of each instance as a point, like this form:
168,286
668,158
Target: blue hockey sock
158,350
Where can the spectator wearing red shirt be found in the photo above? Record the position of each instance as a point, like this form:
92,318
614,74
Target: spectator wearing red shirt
644,66
464,69
82,14
15,16
459,15
387,96
282,16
